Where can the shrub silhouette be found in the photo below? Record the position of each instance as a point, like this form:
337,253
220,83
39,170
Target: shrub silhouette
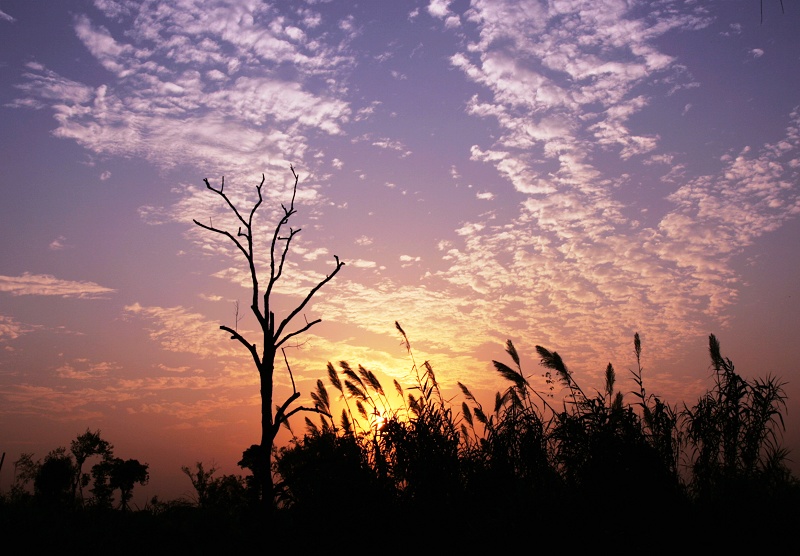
464,476
530,459
54,479
734,452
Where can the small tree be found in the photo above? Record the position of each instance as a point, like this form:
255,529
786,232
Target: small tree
53,482
25,471
274,335
117,474
125,473
83,447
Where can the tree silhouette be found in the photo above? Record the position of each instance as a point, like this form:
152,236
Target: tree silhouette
53,482
125,473
117,474
84,446
274,334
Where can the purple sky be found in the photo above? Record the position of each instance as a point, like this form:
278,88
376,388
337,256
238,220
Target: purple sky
557,173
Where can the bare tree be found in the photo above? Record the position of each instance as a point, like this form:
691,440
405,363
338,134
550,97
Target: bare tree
274,334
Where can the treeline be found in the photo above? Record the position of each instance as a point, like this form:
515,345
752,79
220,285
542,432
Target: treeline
585,468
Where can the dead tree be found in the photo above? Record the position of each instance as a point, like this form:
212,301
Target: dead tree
274,335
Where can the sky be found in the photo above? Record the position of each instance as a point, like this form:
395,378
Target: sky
551,172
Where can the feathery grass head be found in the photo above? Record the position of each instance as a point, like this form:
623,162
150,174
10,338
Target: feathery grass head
347,426
466,412
355,391
311,427
512,351
403,334
370,378
610,379
511,375
552,360
333,377
361,410
320,397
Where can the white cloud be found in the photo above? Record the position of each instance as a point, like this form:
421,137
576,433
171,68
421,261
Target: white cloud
393,145
179,91
439,8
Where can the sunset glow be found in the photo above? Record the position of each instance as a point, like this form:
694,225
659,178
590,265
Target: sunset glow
556,173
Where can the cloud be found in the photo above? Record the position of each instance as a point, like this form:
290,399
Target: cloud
45,284
440,9
565,101
176,329
361,263
566,92
756,53
5,17
200,85
408,260
83,369
58,244
11,329
89,391
393,145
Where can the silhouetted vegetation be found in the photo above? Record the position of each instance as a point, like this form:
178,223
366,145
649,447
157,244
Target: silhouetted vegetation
584,467
425,471
581,468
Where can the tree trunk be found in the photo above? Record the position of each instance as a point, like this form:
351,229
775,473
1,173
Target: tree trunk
267,434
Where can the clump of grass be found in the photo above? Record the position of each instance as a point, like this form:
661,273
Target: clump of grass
532,457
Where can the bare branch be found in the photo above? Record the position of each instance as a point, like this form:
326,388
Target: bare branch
300,307
250,347
273,275
227,200
247,233
288,368
311,409
281,411
224,233
295,333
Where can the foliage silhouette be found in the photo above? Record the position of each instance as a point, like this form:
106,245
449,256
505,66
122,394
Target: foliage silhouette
584,469
733,433
228,493
528,459
58,479
83,447
54,479
274,335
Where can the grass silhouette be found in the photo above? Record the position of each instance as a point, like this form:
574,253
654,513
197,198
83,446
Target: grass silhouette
458,475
